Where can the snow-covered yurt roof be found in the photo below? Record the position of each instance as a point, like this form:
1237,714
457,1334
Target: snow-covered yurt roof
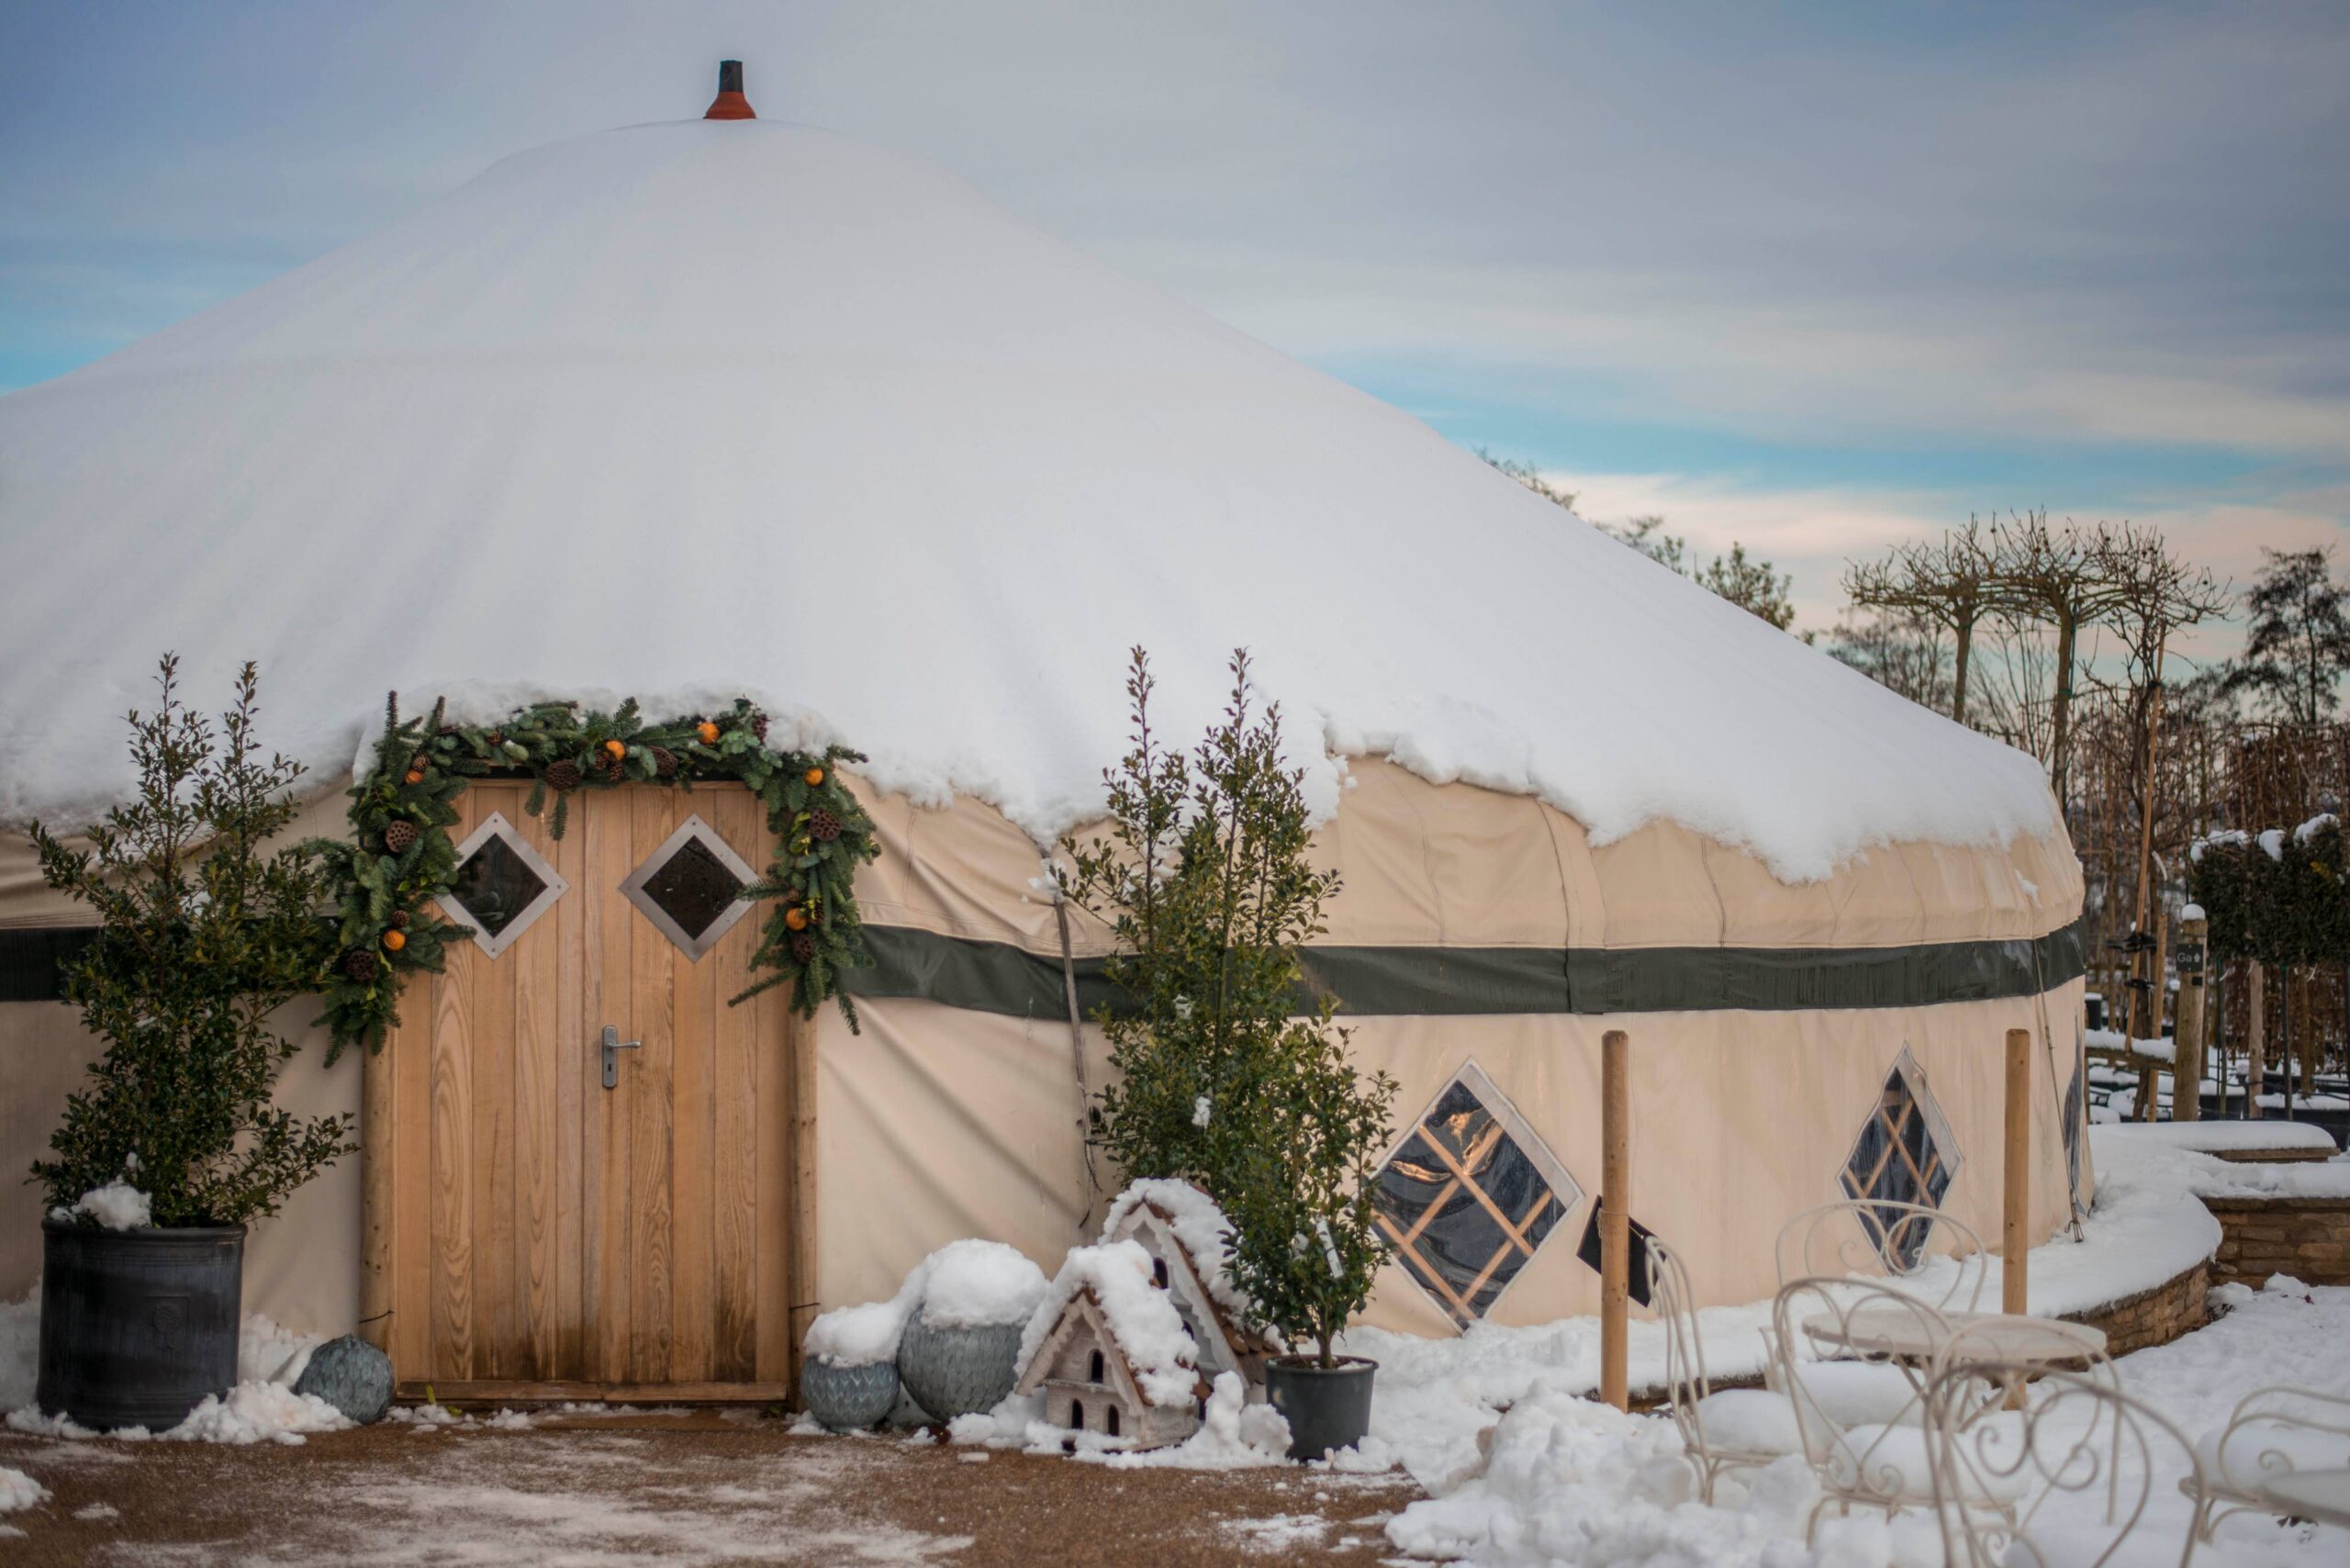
689,410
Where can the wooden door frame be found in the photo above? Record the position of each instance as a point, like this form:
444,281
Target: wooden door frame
379,1262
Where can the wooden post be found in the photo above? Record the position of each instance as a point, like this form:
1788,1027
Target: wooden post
1615,1218
2187,1068
375,1198
2160,957
2015,1243
799,1049
2255,1048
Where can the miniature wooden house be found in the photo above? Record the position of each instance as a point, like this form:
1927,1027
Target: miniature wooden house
1090,1387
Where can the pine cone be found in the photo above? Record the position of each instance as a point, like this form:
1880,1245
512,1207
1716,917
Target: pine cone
803,946
607,765
562,776
399,919
398,836
664,762
822,825
359,964
418,763
759,726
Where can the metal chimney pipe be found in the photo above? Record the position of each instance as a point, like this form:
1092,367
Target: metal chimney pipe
729,104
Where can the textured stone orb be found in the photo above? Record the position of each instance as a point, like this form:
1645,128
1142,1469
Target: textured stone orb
352,1375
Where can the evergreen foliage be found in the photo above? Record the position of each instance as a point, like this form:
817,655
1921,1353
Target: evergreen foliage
1226,1075
2297,648
2288,909
205,933
401,858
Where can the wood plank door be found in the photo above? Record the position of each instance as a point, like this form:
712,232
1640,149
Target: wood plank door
538,1234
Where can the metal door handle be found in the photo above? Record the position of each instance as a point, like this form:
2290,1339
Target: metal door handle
612,1047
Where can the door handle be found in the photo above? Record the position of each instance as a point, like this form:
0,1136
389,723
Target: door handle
612,1048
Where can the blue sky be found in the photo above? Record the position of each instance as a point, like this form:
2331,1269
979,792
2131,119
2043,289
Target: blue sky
1814,276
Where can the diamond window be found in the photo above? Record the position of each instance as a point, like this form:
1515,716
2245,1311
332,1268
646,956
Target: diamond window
691,888
1469,1196
1905,1155
501,885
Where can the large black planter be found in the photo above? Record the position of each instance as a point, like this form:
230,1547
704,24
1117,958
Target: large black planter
1328,1408
137,1326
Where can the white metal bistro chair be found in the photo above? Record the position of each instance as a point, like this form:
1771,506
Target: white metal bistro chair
1863,1235
2065,1481
2273,1432
1730,1429
1858,1395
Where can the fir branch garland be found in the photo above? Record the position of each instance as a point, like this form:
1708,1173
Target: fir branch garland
400,859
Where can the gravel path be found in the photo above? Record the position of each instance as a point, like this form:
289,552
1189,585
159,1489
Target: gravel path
701,1487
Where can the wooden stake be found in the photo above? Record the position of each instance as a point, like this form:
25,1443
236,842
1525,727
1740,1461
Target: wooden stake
2255,1048
2187,1065
375,1173
2015,1245
1615,1217
2161,958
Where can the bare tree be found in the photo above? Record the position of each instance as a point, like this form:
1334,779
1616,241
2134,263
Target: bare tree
2148,593
1952,583
2061,575
1903,653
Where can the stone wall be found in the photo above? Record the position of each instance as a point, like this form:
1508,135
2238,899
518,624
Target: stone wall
2294,1155
2153,1317
2305,1237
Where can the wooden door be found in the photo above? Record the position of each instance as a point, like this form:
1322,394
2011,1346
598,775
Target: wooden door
535,1234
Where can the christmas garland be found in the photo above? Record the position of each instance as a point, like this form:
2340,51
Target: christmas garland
400,859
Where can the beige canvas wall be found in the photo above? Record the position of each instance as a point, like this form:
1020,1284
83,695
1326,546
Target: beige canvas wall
301,1265
937,1124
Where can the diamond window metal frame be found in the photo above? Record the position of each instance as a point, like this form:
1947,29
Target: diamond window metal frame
1461,1195
495,826
634,888
1905,1152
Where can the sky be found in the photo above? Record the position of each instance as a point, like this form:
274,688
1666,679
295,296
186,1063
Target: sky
1816,277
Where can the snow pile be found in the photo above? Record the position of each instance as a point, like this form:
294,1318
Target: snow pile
118,1205
858,1336
2314,827
2163,1049
1142,1318
978,1284
533,376
19,1491
258,1412
1571,1482
964,1284
1198,1224
2272,843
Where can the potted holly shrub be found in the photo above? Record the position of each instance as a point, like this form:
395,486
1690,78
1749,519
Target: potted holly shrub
1231,1071
205,931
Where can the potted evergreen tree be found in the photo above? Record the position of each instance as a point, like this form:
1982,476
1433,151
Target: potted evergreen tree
1231,1072
205,931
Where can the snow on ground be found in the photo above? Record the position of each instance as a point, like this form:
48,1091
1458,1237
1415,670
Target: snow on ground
1569,1481
18,1491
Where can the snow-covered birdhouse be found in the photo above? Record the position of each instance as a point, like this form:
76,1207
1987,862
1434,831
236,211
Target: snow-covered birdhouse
1110,1354
1187,1237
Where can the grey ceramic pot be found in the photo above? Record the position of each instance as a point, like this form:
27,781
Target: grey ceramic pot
954,1372
848,1399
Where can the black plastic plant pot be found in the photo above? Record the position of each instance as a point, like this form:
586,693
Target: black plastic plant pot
137,1326
1328,1409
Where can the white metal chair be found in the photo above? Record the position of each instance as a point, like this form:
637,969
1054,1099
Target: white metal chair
2001,1479
1863,1235
2273,1432
1858,1400
1732,1428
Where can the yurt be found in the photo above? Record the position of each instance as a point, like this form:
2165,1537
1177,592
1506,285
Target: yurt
741,420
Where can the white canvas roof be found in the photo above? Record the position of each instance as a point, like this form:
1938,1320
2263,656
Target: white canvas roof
696,410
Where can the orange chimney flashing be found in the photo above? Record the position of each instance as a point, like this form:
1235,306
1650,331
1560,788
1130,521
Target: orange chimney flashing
729,104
